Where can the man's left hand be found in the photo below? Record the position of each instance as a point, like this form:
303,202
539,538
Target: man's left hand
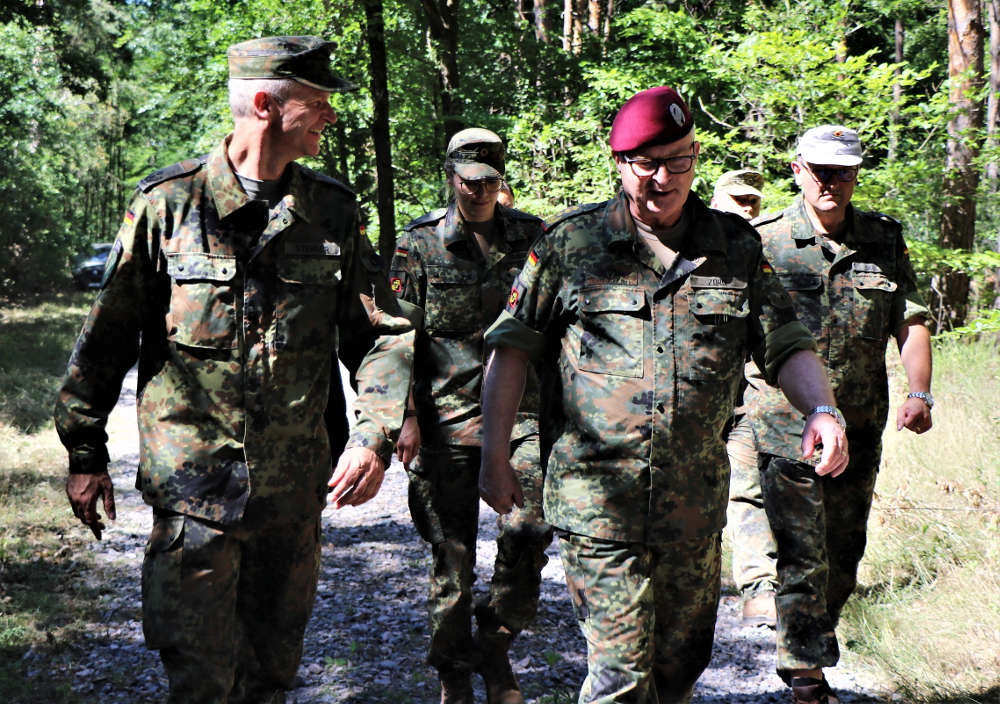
823,428
357,478
915,415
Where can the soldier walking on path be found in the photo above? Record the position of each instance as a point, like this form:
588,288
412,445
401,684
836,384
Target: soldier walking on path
640,311
754,550
231,280
457,264
853,286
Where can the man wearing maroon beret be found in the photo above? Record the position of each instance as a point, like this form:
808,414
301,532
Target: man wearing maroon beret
640,311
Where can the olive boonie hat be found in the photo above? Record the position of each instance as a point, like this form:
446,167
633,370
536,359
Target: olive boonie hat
475,154
743,182
830,144
303,59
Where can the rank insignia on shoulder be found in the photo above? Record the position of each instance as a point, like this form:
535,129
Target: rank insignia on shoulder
396,284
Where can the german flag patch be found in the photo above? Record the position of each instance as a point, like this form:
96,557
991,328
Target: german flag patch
402,251
532,258
766,268
129,217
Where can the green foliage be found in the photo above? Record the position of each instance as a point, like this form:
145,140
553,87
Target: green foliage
97,95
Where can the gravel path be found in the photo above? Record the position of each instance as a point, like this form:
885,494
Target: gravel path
365,643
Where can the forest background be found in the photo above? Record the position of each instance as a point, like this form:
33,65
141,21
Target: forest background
97,94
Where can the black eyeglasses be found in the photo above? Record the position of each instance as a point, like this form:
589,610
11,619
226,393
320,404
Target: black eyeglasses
644,166
472,188
826,174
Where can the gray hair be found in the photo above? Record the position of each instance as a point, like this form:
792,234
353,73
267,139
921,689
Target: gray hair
242,91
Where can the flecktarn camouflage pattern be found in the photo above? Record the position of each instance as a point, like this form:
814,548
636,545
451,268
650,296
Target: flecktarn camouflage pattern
853,297
233,314
439,268
645,366
648,364
754,549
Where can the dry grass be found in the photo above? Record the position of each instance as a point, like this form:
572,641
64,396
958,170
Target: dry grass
928,616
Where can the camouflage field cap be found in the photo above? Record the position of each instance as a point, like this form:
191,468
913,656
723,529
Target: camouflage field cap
304,59
476,153
830,144
742,182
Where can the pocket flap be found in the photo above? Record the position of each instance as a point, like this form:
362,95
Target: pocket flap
596,300
872,280
201,265
322,271
719,301
801,281
446,275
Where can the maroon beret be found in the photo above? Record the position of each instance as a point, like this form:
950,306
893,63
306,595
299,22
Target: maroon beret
653,116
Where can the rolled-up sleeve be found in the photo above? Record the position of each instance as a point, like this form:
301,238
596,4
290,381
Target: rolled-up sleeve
383,375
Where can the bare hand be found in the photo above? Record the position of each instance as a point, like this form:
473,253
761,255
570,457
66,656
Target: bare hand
83,491
409,441
915,415
498,485
822,428
357,478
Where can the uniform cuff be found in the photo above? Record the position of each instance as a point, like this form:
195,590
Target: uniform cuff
378,443
89,462
781,344
508,331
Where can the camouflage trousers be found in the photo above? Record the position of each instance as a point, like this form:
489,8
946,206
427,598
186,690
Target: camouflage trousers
227,607
754,549
820,525
444,505
647,612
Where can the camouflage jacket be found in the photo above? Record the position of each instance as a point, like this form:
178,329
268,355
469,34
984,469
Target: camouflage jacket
233,313
645,365
439,267
852,300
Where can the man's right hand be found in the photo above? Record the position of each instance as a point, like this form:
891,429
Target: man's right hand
498,485
83,491
409,441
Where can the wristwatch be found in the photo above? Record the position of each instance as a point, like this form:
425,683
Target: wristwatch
830,410
924,396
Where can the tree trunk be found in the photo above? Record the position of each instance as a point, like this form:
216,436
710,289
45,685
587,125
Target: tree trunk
442,23
375,33
594,16
958,213
897,94
993,102
541,29
606,32
567,33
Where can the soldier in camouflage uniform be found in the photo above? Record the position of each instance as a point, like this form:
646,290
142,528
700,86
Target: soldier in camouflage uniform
850,278
229,282
754,550
640,311
457,264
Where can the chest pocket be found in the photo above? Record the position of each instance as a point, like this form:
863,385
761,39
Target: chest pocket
873,297
202,308
452,304
611,338
718,334
807,293
307,298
